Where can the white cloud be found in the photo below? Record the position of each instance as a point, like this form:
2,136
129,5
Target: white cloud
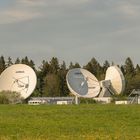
129,10
51,2
73,1
12,16
23,10
66,2
28,9
32,2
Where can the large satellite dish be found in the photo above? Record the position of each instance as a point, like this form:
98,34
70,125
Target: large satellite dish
19,78
84,84
116,78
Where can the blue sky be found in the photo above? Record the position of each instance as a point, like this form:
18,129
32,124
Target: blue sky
72,30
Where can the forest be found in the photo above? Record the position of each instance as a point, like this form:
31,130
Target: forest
51,75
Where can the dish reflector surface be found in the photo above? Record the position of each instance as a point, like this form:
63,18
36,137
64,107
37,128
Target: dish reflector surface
19,78
116,77
82,83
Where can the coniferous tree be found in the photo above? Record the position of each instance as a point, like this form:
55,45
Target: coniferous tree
40,84
9,62
17,61
88,67
54,65
77,65
44,68
94,67
63,66
32,64
137,70
71,66
129,67
123,69
2,64
51,85
105,66
62,80
129,75
25,61
100,72
112,64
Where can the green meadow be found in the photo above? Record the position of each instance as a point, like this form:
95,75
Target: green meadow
70,122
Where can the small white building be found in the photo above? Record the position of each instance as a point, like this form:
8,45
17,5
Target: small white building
34,102
50,100
62,103
121,102
103,100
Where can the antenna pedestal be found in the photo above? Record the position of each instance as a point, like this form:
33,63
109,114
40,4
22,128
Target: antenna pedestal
105,91
76,100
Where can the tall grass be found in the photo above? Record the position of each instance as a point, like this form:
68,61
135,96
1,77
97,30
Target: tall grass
82,122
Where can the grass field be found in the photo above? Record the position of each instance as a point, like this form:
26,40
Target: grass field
82,122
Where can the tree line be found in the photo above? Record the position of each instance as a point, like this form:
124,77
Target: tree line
51,75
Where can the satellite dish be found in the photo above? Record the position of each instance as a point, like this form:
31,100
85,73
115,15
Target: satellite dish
116,78
19,78
82,83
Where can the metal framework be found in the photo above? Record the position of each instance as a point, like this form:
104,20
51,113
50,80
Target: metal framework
20,84
136,95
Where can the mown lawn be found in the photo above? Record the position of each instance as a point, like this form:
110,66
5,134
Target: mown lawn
72,122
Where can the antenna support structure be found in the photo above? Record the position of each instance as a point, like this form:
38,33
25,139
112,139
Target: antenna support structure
136,96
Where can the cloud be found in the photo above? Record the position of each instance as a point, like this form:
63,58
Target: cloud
129,10
51,2
32,2
104,29
22,10
72,1
12,16
67,3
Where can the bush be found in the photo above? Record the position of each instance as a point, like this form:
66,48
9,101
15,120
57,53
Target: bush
3,99
87,101
120,97
8,97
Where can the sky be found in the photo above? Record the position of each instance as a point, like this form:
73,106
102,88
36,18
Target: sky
71,30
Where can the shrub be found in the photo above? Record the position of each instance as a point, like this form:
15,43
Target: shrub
87,101
8,97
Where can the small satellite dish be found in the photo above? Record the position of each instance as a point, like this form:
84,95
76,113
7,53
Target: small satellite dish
82,83
19,78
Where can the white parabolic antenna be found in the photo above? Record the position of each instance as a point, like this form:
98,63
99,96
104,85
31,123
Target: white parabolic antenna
82,83
19,78
116,78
